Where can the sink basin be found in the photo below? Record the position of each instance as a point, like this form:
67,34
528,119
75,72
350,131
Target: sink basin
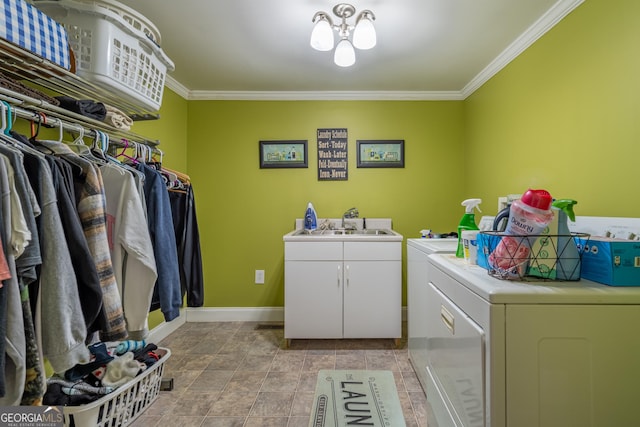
369,232
340,232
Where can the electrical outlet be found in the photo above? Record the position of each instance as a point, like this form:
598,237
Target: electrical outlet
259,277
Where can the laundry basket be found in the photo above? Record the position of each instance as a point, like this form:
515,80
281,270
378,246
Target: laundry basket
121,407
115,47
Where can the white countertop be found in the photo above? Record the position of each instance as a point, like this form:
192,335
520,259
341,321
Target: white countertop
295,236
494,290
357,223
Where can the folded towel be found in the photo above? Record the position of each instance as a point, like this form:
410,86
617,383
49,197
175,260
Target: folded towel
117,118
85,107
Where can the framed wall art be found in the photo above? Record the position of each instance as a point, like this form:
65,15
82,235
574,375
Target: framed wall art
380,153
283,154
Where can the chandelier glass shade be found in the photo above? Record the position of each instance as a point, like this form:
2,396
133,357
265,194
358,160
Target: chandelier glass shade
364,34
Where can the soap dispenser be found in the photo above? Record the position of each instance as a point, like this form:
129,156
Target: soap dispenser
468,222
310,218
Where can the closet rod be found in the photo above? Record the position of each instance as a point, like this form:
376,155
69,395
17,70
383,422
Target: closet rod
27,108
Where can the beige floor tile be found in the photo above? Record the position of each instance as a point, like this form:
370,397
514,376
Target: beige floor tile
298,422
287,362
182,421
314,363
223,422
246,381
256,362
266,422
280,381
194,404
210,381
146,421
302,404
272,404
233,403
240,374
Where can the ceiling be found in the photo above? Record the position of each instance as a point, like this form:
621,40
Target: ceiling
430,49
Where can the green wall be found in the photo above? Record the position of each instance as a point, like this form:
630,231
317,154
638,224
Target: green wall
561,116
564,115
243,211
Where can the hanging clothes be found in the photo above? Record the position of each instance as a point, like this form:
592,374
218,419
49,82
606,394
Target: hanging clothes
89,289
131,249
167,290
25,266
27,262
59,321
15,345
183,209
91,209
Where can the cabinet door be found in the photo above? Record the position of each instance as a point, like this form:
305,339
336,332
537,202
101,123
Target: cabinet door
572,365
313,299
372,299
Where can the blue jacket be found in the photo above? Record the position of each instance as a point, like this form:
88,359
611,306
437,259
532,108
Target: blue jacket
160,220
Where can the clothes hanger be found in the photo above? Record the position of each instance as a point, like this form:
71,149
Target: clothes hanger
78,146
7,123
127,145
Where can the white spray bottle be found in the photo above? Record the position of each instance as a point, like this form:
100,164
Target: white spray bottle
468,222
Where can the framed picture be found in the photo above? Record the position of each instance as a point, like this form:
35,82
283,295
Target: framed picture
283,154
380,153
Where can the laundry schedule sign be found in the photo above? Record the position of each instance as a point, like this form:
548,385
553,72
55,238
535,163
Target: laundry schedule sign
332,154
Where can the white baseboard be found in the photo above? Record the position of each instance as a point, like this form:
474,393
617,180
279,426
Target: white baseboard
223,314
165,329
235,314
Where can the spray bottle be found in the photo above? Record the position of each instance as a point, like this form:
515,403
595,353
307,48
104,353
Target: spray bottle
568,266
468,222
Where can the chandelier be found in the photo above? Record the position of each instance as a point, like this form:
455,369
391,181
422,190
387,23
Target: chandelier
364,35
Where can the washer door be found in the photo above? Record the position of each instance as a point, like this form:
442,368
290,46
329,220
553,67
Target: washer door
455,362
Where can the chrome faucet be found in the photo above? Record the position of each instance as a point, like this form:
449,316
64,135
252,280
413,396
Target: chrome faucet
351,213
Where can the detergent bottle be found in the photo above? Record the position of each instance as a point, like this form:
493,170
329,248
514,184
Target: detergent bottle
468,222
528,217
568,264
310,218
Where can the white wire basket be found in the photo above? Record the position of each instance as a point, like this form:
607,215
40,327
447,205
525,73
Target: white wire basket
123,406
115,47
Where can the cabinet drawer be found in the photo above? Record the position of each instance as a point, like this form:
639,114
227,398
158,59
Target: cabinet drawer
372,251
313,251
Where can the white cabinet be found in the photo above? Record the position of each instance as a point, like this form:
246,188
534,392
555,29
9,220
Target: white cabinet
343,289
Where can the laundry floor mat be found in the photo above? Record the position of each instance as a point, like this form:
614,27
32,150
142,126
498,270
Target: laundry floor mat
356,398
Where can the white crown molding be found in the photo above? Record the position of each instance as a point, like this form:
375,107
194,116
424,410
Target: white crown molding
325,95
177,87
554,15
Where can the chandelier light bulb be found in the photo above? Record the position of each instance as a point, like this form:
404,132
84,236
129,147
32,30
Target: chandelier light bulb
322,34
345,55
364,35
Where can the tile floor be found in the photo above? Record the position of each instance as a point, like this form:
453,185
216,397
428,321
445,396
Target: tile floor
239,374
